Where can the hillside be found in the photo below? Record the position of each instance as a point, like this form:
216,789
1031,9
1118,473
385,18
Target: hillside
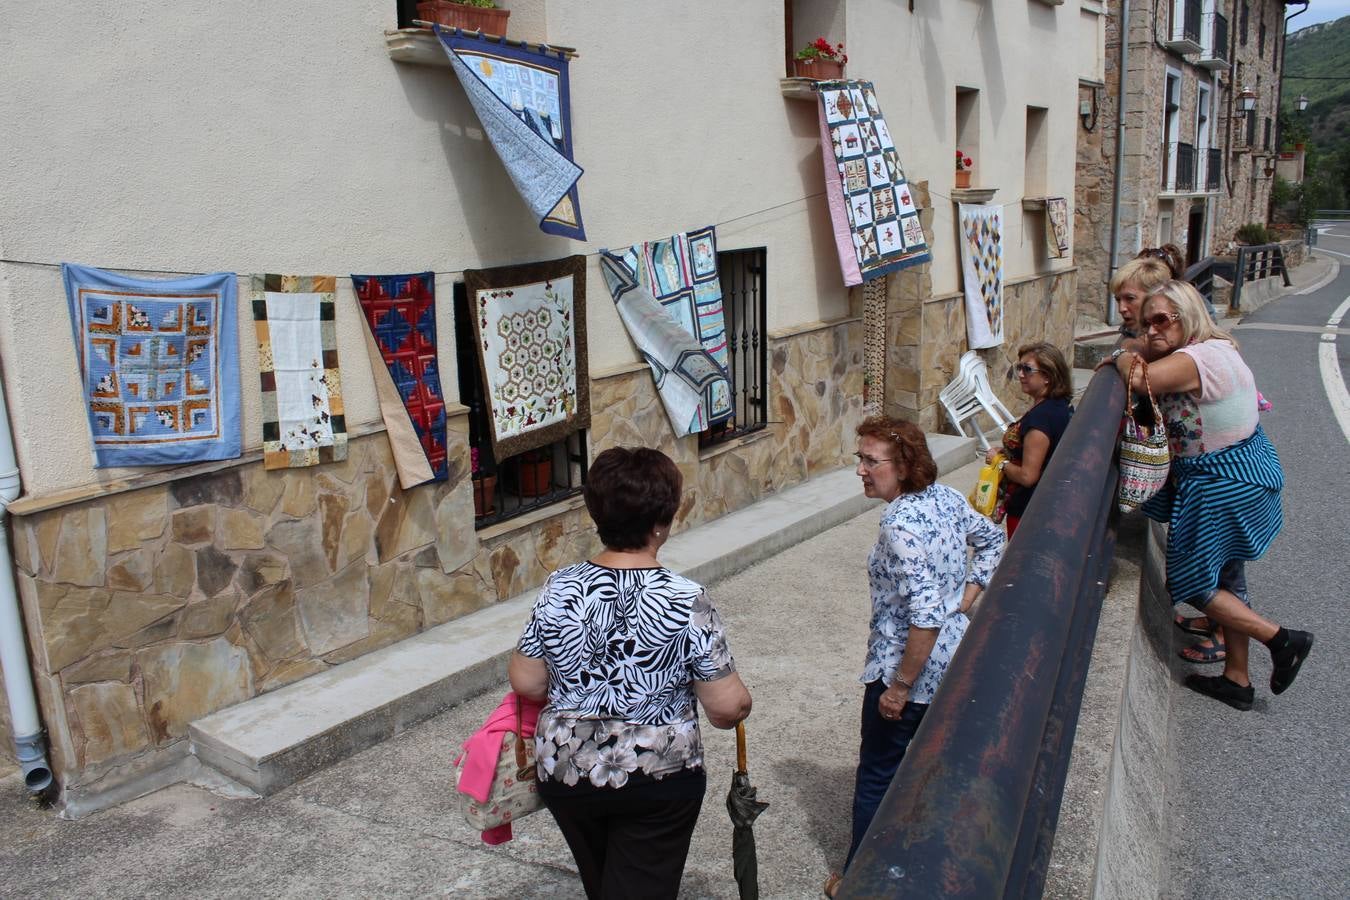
1321,51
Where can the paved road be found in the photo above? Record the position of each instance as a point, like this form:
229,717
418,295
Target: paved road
1260,802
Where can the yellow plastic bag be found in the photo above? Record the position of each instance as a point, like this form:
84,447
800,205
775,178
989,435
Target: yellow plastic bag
984,497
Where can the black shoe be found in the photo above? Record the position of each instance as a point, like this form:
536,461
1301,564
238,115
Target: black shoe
1223,690
1289,660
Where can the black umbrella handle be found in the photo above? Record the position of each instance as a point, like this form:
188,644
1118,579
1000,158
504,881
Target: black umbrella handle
740,747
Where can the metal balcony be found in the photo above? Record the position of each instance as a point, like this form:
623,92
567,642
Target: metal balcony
1212,162
1184,35
1178,175
1214,55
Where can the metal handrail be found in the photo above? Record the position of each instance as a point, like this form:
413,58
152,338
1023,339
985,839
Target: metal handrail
972,811
1256,262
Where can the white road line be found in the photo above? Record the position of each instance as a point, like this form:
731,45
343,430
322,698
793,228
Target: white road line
1301,329
1334,252
1332,380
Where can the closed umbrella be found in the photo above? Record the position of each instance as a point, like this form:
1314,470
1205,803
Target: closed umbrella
744,809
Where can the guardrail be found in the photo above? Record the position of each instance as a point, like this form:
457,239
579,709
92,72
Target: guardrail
1255,262
972,811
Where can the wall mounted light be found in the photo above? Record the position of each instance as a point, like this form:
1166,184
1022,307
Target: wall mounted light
1246,101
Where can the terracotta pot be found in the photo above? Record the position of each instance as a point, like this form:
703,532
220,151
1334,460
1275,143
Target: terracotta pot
963,178
536,477
484,491
1298,148
466,18
819,69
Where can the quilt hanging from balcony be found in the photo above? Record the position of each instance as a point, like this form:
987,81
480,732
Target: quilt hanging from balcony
982,272
400,315
530,322
681,273
876,223
687,376
522,98
1057,227
159,363
303,419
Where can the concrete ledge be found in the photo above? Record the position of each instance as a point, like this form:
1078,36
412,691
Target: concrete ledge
276,739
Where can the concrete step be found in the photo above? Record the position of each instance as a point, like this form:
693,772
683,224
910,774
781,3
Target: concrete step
276,739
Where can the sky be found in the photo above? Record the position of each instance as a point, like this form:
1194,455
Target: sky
1320,11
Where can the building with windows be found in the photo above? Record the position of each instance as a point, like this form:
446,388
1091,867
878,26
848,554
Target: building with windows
153,595
1196,152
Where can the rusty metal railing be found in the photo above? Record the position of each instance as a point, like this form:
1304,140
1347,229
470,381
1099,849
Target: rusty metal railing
972,811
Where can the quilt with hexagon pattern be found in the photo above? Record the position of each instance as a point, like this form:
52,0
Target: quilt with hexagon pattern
876,222
159,362
400,315
530,324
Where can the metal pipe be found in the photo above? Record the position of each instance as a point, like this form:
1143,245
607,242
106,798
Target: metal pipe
1112,315
29,745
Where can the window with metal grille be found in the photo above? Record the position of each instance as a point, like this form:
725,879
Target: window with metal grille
744,303
1251,128
506,488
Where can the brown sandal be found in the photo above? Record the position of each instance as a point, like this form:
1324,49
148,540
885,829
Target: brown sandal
832,884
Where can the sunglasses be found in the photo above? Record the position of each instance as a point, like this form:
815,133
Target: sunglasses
1024,369
1160,320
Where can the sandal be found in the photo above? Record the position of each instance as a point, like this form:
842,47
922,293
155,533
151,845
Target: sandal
832,884
1289,661
1193,626
1223,690
1207,651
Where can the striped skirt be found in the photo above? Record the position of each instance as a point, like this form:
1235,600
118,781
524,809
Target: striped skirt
1218,507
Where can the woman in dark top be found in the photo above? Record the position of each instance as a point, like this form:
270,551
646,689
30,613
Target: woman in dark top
1029,442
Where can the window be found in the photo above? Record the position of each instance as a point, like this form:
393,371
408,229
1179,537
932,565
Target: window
1261,36
1242,24
1034,166
407,11
968,127
1251,128
1171,129
520,483
1265,143
744,305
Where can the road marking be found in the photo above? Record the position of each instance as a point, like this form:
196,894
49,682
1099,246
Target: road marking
1324,280
1302,329
1332,380
1336,252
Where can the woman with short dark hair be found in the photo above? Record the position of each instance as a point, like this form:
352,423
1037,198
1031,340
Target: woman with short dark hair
624,650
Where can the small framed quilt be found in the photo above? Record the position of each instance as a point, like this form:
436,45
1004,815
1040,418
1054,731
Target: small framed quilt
530,326
159,363
304,423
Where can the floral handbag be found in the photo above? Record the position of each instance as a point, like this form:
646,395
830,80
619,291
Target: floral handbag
515,788
1144,458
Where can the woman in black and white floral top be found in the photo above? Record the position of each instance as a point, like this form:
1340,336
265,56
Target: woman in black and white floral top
624,651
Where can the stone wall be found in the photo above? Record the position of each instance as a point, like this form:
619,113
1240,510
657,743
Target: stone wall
152,607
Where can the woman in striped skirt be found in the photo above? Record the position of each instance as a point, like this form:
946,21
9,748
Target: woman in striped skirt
1222,499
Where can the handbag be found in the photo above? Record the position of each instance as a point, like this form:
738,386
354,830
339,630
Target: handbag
515,787
984,496
1144,457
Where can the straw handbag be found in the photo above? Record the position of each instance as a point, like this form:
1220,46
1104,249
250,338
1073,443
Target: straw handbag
1144,458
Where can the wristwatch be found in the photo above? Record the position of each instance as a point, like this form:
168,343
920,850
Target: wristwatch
1116,353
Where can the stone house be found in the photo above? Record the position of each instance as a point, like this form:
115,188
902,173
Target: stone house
282,143
1196,163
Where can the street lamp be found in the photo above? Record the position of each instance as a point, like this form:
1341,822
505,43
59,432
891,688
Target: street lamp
1302,102
1246,101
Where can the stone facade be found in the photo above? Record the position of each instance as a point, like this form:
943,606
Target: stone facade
152,607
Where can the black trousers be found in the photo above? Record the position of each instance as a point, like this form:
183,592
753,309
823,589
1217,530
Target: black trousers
630,843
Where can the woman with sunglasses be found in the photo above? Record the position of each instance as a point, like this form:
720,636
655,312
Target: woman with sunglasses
1028,444
1222,498
922,586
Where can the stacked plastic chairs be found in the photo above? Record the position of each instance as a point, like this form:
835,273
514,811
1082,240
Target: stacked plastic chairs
970,394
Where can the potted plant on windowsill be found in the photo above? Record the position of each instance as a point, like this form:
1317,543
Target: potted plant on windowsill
484,487
536,472
963,166
820,60
466,15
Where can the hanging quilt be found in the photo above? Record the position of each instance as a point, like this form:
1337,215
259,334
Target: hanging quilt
530,322
303,418
1057,227
876,224
159,361
400,315
522,97
982,273
681,274
685,373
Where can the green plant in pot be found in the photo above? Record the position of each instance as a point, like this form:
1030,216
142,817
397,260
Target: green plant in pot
466,15
820,60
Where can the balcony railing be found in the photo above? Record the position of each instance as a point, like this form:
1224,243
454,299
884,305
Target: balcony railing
1184,36
1214,55
1211,161
1178,168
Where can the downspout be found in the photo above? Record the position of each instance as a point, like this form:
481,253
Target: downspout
1112,315
29,746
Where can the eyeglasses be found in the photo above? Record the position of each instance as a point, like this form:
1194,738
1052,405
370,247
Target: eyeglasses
1024,369
1161,320
869,463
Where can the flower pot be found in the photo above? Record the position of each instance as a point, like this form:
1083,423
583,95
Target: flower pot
818,68
466,18
1299,148
963,178
536,477
484,491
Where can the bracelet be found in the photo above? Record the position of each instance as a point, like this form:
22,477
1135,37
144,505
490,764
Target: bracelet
1117,353
902,682
1002,463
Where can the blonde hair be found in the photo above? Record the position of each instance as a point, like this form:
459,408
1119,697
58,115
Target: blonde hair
1196,325
1149,274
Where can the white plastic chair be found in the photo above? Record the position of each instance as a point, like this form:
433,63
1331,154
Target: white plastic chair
970,394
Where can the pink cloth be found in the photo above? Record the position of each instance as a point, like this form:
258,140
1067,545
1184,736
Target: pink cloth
483,749
834,196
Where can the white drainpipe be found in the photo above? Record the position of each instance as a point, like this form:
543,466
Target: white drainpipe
29,746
